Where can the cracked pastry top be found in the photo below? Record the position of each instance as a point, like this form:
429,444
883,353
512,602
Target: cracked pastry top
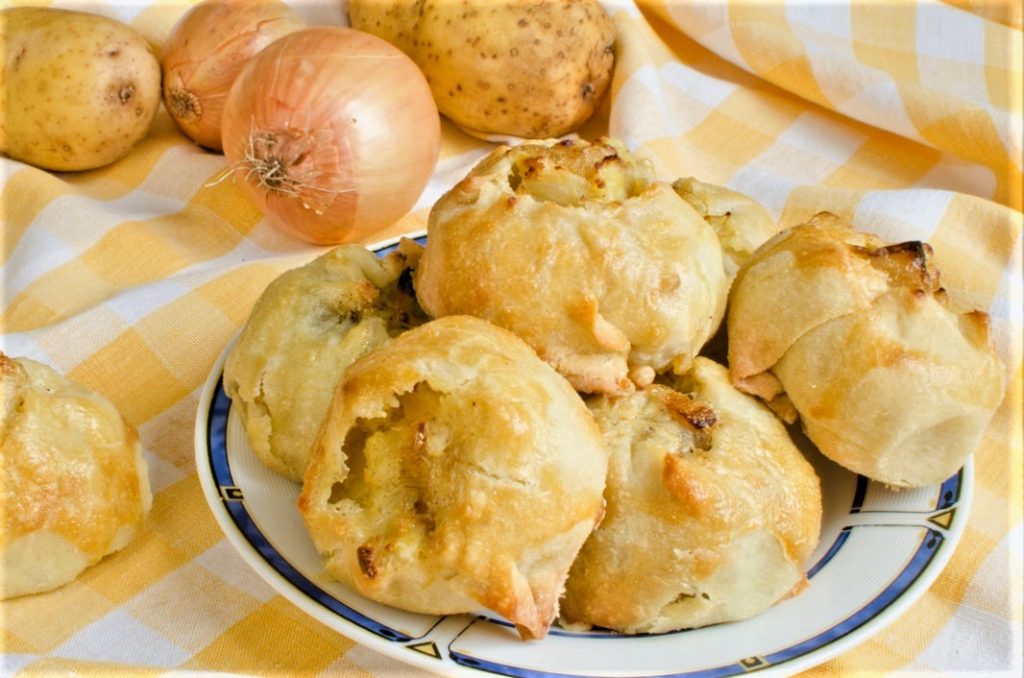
608,274
73,482
308,326
711,510
455,471
740,222
858,337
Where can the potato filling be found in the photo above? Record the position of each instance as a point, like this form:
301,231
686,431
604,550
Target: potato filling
569,174
390,461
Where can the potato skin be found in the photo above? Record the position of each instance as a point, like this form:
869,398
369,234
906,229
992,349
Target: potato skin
77,90
502,67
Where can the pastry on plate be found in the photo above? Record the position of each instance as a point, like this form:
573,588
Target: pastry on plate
711,513
858,337
308,326
741,223
608,274
455,471
74,485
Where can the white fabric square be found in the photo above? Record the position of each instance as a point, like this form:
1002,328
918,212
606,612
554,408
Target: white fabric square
120,638
881,104
639,114
899,216
24,345
222,560
37,252
11,663
953,174
951,33
830,18
695,85
821,136
136,303
191,607
162,474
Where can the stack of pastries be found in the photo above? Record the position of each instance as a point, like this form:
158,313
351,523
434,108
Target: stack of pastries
516,418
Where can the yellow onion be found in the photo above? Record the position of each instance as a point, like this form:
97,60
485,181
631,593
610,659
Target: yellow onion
332,132
205,52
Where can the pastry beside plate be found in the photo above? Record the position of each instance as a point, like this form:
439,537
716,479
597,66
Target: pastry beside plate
74,485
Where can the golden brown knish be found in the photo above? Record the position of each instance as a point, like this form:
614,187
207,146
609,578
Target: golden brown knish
574,246
455,471
73,483
712,511
308,326
858,337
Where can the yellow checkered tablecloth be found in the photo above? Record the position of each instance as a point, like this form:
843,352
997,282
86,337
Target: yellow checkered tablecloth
903,116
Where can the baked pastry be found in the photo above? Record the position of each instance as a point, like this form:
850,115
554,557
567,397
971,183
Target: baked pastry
308,326
455,471
858,338
712,511
740,222
74,487
609,275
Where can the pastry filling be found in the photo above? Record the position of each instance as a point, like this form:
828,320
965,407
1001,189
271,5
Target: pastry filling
390,463
570,174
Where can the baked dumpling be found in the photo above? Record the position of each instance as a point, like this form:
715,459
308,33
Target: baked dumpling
712,510
858,338
308,326
455,471
741,223
75,486
573,246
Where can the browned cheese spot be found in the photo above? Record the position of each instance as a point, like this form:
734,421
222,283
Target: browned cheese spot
364,554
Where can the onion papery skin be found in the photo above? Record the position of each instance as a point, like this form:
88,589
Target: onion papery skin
206,51
332,132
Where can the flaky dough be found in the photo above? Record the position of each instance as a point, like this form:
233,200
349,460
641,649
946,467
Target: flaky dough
308,326
74,484
455,471
857,337
574,247
740,222
711,513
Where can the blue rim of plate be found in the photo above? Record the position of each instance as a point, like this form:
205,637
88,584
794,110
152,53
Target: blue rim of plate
937,543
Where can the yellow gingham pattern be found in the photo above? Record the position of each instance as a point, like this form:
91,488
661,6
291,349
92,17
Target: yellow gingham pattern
903,116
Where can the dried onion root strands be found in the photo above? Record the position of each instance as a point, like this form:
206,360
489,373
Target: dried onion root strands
299,164
205,52
332,132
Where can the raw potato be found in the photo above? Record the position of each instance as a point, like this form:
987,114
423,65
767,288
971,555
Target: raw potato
77,90
532,70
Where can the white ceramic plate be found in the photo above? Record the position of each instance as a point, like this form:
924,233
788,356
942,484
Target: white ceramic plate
879,551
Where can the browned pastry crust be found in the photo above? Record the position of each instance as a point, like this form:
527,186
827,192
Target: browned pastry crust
741,223
455,471
857,337
308,326
574,247
74,484
711,511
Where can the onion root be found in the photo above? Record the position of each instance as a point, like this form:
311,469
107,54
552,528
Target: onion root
289,162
